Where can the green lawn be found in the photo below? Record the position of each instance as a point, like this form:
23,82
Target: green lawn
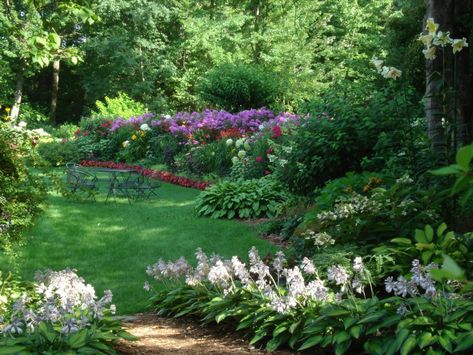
110,244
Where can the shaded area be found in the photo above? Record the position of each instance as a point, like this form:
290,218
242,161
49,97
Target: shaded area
159,335
110,244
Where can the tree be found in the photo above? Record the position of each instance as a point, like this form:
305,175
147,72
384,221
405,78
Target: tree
33,39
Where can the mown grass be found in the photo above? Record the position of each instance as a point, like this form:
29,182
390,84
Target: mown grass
110,244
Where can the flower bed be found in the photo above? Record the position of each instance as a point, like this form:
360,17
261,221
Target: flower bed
155,174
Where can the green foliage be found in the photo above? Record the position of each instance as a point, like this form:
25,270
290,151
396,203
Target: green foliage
65,131
119,106
209,158
428,245
241,199
20,192
462,170
236,87
59,153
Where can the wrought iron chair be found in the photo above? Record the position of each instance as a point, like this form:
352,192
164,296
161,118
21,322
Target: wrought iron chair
81,182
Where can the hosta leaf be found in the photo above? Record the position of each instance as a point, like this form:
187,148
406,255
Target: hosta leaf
408,345
310,342
78,340
342,348
465,342
426,339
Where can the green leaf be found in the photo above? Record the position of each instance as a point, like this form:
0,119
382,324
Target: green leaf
426,339
464,156
342,348
429,233
446,343
373,346
78,340
441,229
310,342
258,336
421,236
447,170
449,271
45,331
273,344
355,331
12,350
341,337
408,345
465,342
404,241
372,317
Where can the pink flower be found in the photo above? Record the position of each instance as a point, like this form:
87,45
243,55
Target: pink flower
259,159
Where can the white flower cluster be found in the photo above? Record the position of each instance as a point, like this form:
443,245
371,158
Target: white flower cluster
64,300
405,180
293,287
321,239
345,209
435,38
421,280
386,72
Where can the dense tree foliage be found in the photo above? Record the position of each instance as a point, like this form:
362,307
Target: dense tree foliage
159,52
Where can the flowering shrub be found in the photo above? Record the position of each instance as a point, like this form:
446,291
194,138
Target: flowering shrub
294,306
62,313
155,174
241,199
377,211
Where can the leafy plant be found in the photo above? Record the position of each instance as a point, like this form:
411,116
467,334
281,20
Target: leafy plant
241,199
462,171
59,153
60,314
119,106
237,87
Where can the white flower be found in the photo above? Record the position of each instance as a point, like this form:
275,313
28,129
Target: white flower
358,264
219,275
430,53
308,266
338,274
394,73
239,142
22,124
378,63
317,291
279,261
125,144
441,39
145,127
241,154
426,39
229,142
431,26
147,286
168,117
459,44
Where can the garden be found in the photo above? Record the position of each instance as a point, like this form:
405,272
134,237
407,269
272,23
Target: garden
295,176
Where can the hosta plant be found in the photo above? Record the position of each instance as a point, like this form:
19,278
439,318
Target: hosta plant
241,199
61,314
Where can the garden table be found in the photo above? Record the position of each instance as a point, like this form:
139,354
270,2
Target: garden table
119,181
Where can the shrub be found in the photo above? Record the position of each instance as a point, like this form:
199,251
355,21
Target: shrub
120,106
237,87
59,153
20,192
210,158
241,199
60,314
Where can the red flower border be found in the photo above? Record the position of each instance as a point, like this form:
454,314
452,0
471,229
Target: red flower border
155,174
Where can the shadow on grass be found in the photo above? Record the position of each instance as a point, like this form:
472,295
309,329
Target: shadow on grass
110,244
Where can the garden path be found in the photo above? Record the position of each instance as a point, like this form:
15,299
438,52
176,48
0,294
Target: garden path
159,335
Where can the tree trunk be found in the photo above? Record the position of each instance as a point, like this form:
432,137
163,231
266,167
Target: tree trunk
54,90
448,95
20,78
257,49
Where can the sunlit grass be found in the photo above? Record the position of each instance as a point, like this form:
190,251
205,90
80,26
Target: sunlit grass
110,244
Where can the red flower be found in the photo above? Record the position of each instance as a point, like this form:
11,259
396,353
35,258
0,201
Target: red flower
259,159
267,172
77,132
86,133
269,150
277,132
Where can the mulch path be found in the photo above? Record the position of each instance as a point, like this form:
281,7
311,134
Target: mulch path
160,335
